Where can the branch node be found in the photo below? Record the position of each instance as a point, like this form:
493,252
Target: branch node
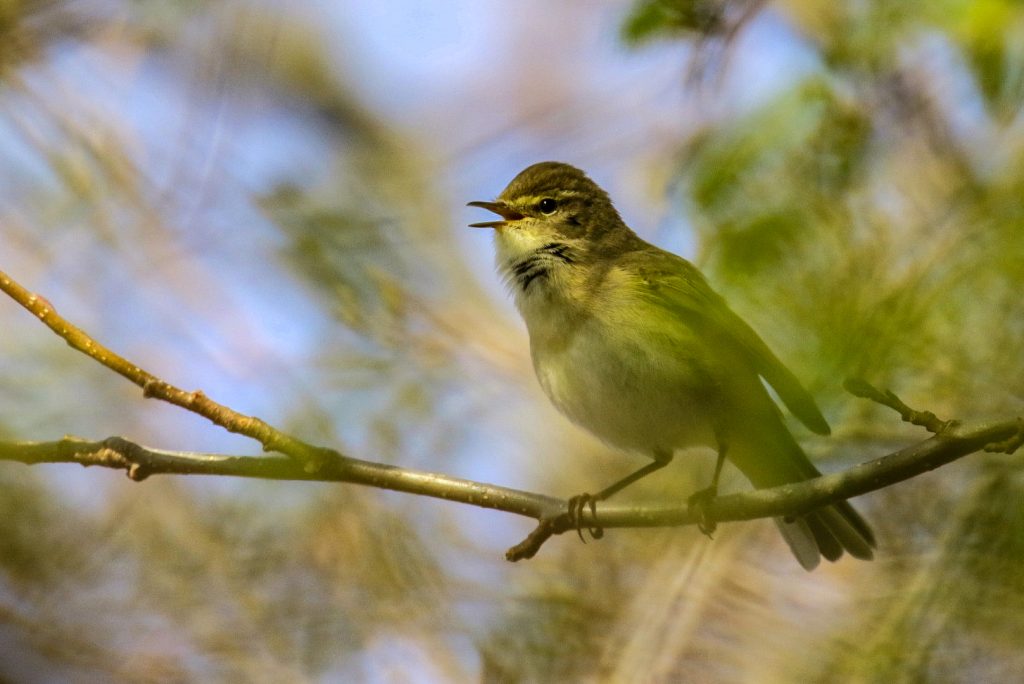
926,419
129,456
529,547
548,526
150,388
137,472
1011,443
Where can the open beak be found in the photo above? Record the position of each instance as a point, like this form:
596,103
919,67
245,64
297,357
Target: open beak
499,208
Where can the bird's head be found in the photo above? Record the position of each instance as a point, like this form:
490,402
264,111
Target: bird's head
547,203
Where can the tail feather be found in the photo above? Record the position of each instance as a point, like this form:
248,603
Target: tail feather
849,529
828,532
850,514
769,457
828,542
801,540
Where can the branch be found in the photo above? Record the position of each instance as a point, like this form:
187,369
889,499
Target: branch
926,419
551,513
140,462
153,387
307,462
950,443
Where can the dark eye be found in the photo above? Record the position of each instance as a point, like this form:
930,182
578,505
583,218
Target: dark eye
547,205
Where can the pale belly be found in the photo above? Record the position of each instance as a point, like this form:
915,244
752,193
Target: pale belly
630,391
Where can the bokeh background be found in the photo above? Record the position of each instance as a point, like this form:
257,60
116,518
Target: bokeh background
265,201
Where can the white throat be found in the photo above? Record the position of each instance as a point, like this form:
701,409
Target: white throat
534,266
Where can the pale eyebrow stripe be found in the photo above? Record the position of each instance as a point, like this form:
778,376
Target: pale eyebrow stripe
532,199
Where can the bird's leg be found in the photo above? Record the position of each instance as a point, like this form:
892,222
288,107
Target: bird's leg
580,502
701,498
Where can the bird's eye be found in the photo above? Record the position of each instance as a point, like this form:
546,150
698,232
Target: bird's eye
547,205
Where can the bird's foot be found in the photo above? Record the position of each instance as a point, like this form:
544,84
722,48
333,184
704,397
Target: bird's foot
698,503
577,505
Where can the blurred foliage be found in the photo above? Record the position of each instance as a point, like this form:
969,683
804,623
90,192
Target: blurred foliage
650,19
966,599
992,35
547,637
865,217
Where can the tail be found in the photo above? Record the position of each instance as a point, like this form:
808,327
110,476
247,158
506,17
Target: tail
766,453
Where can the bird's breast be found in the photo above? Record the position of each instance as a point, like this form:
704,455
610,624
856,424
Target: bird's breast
615,372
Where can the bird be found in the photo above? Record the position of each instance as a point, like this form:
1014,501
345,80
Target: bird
630,342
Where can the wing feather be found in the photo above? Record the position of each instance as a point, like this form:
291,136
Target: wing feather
677,284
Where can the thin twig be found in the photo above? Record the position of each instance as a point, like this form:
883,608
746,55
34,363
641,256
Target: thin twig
926,419
153,387
141,462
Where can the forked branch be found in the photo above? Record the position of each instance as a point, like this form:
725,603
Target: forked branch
303,461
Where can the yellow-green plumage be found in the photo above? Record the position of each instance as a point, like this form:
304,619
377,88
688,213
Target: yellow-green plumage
630,342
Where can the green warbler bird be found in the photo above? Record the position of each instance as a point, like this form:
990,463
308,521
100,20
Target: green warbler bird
630,342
